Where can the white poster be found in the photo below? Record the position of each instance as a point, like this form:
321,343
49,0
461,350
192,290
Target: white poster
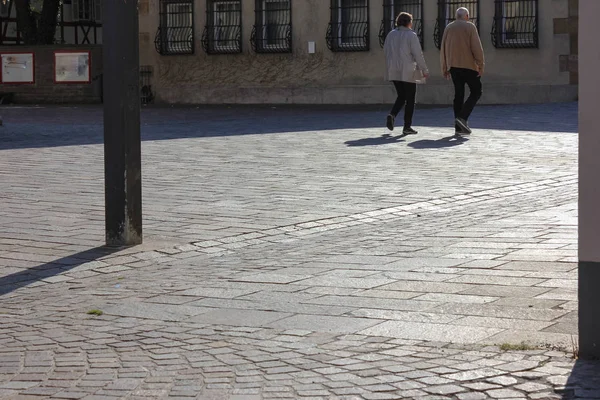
17,68
72,67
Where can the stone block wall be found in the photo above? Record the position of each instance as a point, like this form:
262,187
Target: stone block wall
44,90
569,26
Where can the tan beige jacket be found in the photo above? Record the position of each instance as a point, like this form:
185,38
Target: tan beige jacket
461,47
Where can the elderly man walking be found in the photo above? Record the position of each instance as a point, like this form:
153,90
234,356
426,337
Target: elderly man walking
462,59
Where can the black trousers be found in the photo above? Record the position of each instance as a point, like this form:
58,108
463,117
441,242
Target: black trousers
407,93
460,78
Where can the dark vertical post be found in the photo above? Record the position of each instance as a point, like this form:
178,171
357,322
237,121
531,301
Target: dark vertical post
122,147
62,22
589,182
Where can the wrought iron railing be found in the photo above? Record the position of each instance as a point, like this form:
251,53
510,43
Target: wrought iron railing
391,9
175,34
272,31
447,13
223,30
515,24
349,26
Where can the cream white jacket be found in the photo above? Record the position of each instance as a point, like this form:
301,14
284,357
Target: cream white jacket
404,56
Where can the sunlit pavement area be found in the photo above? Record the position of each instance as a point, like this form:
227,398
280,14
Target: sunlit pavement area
294,253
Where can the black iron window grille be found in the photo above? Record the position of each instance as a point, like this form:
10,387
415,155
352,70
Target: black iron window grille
391,10
447,14
349,26
515,24
175,34
223,31
272,32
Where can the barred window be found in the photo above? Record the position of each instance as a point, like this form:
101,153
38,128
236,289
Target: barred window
86,10
515,24
175,34
391,10
447,14
223,31
349,26
272,32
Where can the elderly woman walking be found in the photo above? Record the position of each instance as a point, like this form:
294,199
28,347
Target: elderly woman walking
405,67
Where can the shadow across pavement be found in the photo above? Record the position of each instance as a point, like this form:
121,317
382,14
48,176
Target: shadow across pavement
584,381
450,141
52,126
26,277
375,141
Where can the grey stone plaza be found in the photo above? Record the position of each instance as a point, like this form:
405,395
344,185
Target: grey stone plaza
294,253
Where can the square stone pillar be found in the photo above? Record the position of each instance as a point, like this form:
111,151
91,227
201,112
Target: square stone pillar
589,179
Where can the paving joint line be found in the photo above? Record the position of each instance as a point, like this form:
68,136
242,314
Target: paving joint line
426,207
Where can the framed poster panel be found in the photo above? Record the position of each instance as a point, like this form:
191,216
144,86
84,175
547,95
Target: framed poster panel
17,68
72,67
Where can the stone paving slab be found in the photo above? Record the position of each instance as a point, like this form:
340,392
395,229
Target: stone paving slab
294,253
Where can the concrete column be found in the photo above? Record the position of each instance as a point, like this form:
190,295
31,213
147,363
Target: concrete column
122,147
589,179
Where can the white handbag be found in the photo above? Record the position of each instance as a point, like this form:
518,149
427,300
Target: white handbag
418,77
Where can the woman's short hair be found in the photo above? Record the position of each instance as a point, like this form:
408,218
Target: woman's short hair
404,19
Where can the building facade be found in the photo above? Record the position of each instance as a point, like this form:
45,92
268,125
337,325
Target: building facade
330,51
31,74
79,22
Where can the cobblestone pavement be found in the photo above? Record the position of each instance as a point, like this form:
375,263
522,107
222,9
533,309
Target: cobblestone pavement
294,253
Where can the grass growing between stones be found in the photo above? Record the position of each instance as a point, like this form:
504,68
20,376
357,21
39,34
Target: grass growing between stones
517,347
574,347
95,312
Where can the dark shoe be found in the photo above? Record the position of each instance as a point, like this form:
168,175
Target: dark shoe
390,122
462,124
409,131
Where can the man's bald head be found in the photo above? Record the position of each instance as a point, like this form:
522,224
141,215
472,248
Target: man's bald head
462,13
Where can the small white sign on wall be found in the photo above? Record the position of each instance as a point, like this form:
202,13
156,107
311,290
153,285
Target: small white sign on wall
17,68
71,67
311,47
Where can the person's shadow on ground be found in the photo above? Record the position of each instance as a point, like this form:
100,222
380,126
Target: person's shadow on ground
375,141
450,141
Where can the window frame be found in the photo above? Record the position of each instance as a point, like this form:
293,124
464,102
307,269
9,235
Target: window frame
390,13
213,28
500,35
259,37
164,43
446,15
335,32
